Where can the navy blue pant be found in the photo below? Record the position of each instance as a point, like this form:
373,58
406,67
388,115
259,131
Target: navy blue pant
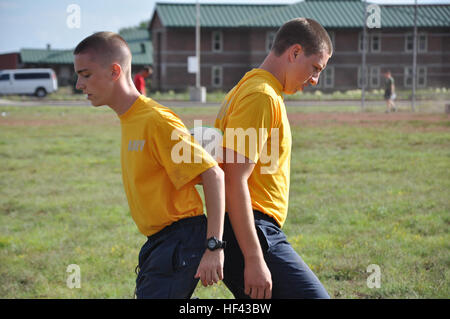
169,260
291,277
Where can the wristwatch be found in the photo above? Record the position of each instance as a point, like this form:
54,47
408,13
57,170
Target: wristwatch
213,243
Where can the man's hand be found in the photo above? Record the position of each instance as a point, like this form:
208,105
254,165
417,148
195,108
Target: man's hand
258,280
210,270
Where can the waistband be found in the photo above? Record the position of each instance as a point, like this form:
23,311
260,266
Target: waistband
176,225
261,215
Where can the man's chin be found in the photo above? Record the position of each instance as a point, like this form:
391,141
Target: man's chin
290,92
96,103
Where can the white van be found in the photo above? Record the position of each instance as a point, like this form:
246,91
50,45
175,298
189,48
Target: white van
39,82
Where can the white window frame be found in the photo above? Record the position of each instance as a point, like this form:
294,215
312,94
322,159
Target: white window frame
425,42
372,36
270,38
407,76
215,41
409,37
360,40
369,42
328,74
374,77
215,68
366,81
421,76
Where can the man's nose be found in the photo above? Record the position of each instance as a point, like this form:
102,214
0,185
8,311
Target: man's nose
314,80
79,85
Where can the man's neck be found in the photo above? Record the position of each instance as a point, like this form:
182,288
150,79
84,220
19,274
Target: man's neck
272,64
124,99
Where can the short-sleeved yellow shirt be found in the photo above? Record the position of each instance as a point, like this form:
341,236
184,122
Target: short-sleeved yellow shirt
254,122
161,163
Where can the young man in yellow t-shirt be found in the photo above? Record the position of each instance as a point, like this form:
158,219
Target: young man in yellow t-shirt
159,180
259,262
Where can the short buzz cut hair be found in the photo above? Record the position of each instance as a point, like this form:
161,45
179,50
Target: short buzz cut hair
106,48
304,31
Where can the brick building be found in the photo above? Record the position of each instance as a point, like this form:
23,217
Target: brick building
236,38
9,61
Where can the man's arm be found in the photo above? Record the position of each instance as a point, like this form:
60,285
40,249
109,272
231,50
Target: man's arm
257,277
210,269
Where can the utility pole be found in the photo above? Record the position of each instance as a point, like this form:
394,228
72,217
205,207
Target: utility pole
363,68
197,43
197,92
414,81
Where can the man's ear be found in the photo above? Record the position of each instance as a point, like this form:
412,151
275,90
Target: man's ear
116,71
294,51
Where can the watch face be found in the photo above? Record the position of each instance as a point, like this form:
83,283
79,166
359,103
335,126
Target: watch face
211,244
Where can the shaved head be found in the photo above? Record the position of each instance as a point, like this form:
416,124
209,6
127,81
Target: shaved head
106,48
306,32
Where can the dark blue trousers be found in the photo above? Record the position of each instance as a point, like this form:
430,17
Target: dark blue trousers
291,277
169,260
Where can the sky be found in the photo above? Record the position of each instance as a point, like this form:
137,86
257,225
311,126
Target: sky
36,23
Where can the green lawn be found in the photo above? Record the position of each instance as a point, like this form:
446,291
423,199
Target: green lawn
360,195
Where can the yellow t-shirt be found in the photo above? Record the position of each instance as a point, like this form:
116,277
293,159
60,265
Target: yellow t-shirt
161,163
254,122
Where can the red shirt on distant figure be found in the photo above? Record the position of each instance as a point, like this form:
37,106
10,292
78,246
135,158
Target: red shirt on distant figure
139,80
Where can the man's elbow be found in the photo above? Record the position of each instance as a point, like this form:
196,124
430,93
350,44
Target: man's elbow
214,173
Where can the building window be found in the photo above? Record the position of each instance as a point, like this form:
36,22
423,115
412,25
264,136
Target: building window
375,42
360,77
328,77
217,76
374,76
360,45
270,38
371,78
217,41
409,43
422,42
142,48
421,76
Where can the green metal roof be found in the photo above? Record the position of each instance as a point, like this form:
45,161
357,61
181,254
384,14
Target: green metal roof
50,56
135,34
330,13
427,16
212,15
140,45
137,39
349,14
141,57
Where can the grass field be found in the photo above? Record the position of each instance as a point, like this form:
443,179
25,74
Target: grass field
366,188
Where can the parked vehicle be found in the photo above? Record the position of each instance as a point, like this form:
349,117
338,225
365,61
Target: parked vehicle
39,82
